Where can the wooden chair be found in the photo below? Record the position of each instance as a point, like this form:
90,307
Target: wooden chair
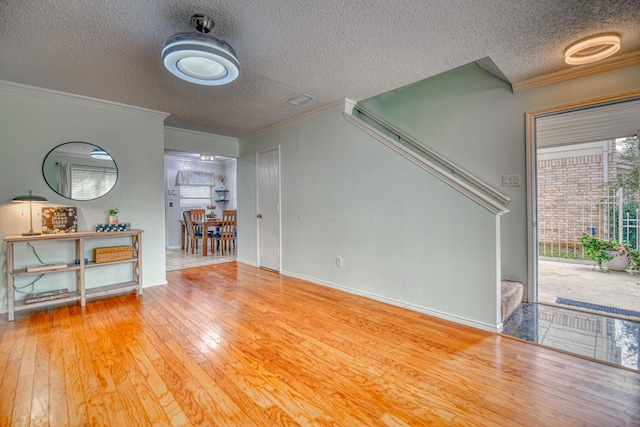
192,233
227,231
197,215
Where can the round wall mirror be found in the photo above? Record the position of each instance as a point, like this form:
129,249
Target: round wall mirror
79,171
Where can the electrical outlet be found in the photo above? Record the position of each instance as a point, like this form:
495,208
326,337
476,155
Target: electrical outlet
511,180
338,261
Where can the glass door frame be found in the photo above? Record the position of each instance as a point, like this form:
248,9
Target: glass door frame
532,193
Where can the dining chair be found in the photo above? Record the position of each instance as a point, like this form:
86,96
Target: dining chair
226,233
197,215
193,234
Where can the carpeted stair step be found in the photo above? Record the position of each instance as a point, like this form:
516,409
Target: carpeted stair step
511,297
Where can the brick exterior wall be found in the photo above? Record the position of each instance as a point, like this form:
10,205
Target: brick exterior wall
570,192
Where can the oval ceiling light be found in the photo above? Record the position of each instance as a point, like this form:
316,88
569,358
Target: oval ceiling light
100,154
592,49
200,58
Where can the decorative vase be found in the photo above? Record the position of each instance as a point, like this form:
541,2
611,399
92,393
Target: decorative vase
620,262
113,219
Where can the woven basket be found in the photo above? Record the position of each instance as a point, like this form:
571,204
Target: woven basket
112,253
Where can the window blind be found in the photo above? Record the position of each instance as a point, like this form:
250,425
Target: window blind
87,182
597,123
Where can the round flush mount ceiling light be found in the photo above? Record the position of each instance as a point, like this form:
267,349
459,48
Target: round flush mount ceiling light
100,154
200,58
592,49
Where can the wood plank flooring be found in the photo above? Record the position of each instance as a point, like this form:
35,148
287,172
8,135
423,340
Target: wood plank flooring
233,345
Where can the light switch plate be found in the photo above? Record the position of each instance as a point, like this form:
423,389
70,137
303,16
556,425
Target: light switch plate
511,180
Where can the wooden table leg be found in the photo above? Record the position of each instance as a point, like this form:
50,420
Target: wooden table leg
182,235
205,240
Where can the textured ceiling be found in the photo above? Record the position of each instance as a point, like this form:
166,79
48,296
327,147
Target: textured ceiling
329,49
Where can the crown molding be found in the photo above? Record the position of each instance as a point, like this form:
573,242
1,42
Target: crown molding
576,72
340,105
203,134
55,95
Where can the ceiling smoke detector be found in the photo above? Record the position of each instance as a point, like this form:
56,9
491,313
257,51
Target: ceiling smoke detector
200,58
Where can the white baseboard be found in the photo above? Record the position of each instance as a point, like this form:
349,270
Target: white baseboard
148,285
247,262
420,309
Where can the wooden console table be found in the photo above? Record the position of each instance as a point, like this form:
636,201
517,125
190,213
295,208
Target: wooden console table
82,292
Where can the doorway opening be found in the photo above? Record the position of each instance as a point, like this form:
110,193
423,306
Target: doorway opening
588,211
566,307
587,199
202,182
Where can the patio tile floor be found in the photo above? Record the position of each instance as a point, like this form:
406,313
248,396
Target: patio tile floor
595,336
580,282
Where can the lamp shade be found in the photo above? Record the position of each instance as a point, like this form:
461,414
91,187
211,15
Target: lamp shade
29,198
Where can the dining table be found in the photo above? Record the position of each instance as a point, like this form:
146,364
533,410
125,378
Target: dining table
204,226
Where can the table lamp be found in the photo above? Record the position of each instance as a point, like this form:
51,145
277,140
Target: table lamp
31,199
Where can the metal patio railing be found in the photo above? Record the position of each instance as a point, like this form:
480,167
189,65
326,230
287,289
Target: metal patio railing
564,217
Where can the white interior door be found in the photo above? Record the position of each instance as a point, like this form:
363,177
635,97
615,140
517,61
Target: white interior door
268,208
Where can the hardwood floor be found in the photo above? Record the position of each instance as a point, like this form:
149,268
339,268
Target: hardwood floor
239,346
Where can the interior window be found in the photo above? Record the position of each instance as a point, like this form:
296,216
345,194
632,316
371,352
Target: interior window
195,196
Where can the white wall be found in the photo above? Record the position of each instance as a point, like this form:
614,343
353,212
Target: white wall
231,182
473,119
198,142
33,121
400,231
395,226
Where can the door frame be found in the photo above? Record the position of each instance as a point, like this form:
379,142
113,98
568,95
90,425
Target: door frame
266,150
531,161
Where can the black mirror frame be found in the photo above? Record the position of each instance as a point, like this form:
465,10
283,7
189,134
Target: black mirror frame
93,146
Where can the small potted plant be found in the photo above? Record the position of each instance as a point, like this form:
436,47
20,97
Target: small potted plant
620,257
607,254
113,216
634,264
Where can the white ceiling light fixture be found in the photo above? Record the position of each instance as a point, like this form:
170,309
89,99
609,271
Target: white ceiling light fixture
200,58
592,49
100,154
